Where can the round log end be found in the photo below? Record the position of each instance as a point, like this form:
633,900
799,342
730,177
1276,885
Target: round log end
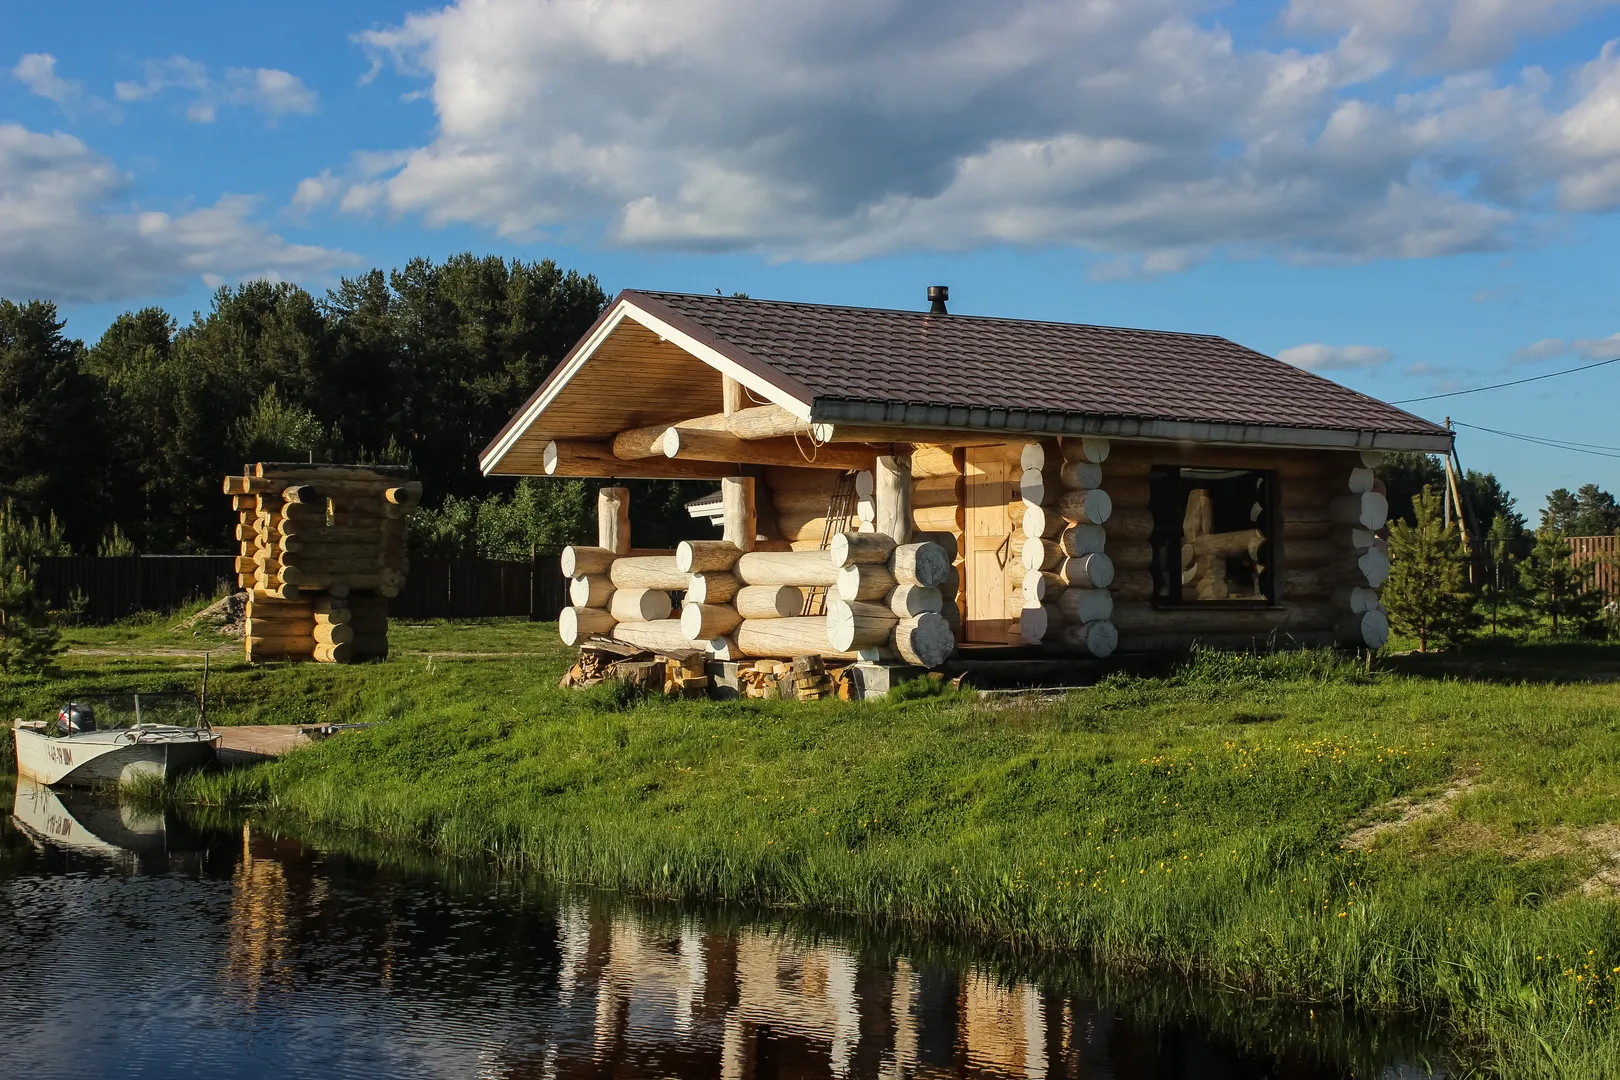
1374,566
1098,639
855,625
576,624
924,563
925,640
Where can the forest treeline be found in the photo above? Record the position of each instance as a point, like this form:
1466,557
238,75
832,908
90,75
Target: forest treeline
124,441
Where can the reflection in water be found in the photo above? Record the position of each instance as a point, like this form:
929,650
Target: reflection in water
257,949
245,953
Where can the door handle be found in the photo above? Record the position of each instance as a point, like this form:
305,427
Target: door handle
1004,552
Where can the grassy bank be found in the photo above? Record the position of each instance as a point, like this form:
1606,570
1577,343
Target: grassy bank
1197,821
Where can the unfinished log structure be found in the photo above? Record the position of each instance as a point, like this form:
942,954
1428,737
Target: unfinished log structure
897,486
322,551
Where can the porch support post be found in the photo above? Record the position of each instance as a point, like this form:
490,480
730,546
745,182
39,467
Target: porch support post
613,520
739,523
893,497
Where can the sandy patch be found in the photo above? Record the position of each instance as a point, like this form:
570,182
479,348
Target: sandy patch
1404,812
1605,841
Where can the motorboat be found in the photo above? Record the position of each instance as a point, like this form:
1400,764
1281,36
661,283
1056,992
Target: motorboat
108,739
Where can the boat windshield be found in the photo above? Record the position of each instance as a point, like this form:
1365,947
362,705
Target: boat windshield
107,712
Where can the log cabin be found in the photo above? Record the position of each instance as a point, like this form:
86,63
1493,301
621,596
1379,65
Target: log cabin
898,487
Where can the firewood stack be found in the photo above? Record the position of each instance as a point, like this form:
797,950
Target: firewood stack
323,548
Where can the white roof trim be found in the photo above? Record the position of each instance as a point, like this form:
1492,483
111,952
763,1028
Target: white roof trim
491,457
688,344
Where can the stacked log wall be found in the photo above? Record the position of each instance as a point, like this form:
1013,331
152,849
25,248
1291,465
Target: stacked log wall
1066,602
311,535
884,594
1321,592
797,501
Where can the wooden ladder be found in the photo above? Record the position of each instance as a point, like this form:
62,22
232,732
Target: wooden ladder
839,512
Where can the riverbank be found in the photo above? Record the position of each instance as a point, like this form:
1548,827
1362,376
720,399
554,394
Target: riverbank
1197,822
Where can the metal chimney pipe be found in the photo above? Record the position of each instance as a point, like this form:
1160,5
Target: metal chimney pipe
937,295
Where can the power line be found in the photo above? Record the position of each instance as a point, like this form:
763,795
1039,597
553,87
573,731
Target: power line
1515,382
1594,449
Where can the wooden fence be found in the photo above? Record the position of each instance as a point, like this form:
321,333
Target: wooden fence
469,588
435,588
1603,554
118,587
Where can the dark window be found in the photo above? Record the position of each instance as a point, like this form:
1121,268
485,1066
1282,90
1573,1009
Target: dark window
1211,529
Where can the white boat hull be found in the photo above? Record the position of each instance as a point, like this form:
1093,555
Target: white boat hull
109,757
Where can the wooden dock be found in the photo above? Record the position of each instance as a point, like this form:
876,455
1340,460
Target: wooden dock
253,744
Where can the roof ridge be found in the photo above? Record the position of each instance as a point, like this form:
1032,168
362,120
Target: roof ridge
910,311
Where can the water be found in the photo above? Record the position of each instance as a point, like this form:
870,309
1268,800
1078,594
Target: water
138,945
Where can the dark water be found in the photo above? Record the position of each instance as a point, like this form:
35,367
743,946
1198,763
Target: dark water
135,945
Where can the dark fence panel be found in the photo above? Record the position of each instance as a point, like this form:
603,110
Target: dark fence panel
549,589
470,588
435,588
115,588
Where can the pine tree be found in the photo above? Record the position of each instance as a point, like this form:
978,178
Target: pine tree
1427,592
1558,587
29,638
1502,593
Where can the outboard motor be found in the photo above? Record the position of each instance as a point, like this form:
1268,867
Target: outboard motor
73,718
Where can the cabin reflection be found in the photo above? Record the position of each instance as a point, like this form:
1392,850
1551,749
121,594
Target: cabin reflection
680,1000
592,987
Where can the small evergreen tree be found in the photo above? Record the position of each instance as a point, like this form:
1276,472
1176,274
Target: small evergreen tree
1558,587
29,638
115,544
1501,593
1427,593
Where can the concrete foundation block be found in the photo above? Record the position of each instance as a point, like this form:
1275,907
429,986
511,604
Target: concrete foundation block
723,682
868,681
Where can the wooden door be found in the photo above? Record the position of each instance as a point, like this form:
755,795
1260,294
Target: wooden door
987,532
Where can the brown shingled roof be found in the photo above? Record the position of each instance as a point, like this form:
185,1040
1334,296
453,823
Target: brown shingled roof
961,361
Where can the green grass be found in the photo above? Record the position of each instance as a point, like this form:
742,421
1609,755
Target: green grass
1194,822
156,653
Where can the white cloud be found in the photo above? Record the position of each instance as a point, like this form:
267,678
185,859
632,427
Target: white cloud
1603,348
67,234
1540,351
37,71
1424,369
1438,33
174,72
1319,357
852,128
314,191
272,92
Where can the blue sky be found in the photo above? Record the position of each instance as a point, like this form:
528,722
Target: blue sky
1409,196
